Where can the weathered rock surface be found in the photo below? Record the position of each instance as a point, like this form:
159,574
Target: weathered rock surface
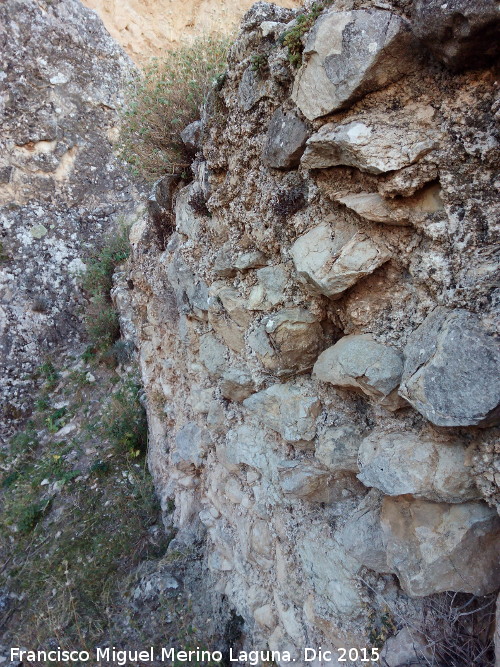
296,336
304,480
452,370
359,362
402,463
350,54
331,262
61,187
190,136
460,34
373,143
286,140
287,409
237,383
337,447
400,212
435,547
362,533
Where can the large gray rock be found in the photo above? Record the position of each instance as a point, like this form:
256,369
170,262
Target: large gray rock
460,33
337,447
304,480
213,355
452,370
285,141
288,409
191,135
362,535
436,547
237,383
191,443
399,212
297,336
359,362
350,54
252,89
331,262
374,143
405,463
270,288
288,342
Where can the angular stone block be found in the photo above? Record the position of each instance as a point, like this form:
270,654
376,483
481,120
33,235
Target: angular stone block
359,362
288,409
285,141
436,547
405,463
452,370
332,262
350,54
375,143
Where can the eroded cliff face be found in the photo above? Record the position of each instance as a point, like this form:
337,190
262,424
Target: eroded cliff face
61,187
315,315
145,28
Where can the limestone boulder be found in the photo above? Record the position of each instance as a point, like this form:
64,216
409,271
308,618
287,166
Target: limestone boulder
399,212
436,547
362,535
298,337
288,342
270,288
187,221
461,34
237,383
285,141
359,362
408,647
349,54
246,444
452,370
375,143
288,409
213,355
331,262
191,135
405,463
304,480
252,89
252,259
337,447
191,444
228,315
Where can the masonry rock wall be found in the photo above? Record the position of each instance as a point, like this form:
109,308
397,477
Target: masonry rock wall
316,327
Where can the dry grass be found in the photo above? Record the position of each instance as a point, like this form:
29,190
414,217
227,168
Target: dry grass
163,102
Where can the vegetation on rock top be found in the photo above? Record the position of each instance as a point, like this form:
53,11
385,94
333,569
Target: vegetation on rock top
163,101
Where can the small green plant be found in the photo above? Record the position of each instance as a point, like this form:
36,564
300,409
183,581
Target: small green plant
163,102
3,255
126,425
49,373
31,515
292,38
258,62
101,319
98,278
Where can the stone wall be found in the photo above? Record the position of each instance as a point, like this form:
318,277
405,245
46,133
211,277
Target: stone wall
317,327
